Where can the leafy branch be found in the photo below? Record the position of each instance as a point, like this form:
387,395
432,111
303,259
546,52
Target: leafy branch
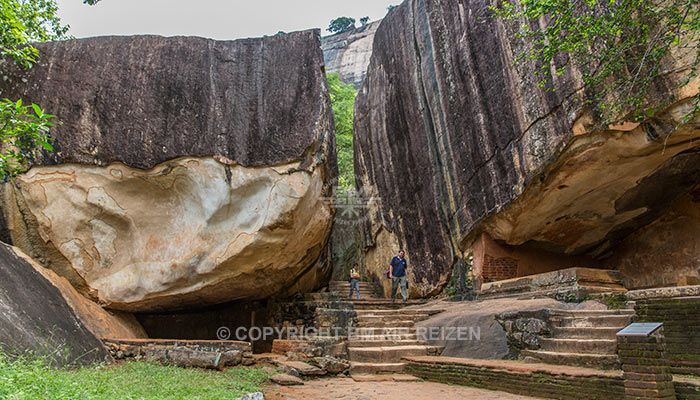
620,47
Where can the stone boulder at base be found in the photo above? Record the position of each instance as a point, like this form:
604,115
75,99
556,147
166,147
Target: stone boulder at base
187,171
457,144
37,320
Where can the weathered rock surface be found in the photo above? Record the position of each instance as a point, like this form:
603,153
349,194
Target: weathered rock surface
188,171
286,380
37,319
348,53
456,141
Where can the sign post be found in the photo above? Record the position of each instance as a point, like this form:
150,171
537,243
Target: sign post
647,375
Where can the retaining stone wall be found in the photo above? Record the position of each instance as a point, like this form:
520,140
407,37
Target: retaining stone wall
681,318
538,384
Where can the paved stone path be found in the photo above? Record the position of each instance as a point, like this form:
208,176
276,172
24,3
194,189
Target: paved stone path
347,389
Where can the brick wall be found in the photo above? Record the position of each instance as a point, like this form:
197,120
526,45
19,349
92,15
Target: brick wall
499,269
681,318
538,384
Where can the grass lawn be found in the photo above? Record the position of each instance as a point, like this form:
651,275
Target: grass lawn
131,380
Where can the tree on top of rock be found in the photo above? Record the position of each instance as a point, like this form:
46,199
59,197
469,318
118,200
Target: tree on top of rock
620,45
24,128
341,24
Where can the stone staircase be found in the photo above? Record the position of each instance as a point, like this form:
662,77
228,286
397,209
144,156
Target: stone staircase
368,290
385,332
582,338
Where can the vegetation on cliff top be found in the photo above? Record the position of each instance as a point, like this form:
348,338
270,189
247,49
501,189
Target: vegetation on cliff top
619,44
343,99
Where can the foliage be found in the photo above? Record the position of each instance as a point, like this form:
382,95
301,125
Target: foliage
620,44
341,24
343,99
33,379
364,21
391,8
23,128
23,22
91,2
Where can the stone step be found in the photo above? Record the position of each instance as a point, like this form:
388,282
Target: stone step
603,321
359,368
585,333
380,337
391,330
566,283
592,313
384,343
389,354
385,324
384,304
385,378
584,346
370,312
601,361
396,316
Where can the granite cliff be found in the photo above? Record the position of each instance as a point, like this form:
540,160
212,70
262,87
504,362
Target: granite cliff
348,53
464,152
187,171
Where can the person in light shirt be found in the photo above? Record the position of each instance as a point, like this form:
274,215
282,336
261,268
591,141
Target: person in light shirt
355,280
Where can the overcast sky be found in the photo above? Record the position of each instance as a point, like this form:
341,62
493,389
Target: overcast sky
217,19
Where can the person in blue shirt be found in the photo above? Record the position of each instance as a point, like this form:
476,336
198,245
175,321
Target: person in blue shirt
397,271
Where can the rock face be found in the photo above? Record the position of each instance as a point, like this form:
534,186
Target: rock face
37,318
188,171
456,141
348,53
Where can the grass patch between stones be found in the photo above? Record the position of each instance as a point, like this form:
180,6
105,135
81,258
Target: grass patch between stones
34,379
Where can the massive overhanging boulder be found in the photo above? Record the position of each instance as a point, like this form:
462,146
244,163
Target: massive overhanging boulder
462,151
187,171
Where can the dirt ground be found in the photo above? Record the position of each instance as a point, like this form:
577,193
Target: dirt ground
347,389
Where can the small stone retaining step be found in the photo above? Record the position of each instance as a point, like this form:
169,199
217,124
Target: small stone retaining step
379,338
374,343
585,333
385,378
391,312
385,324
584,346
604,361
213,354
371,304
364,368
576,283
601,321
389,354
396,316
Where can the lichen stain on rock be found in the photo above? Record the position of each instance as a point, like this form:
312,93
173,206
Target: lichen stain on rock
180,233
